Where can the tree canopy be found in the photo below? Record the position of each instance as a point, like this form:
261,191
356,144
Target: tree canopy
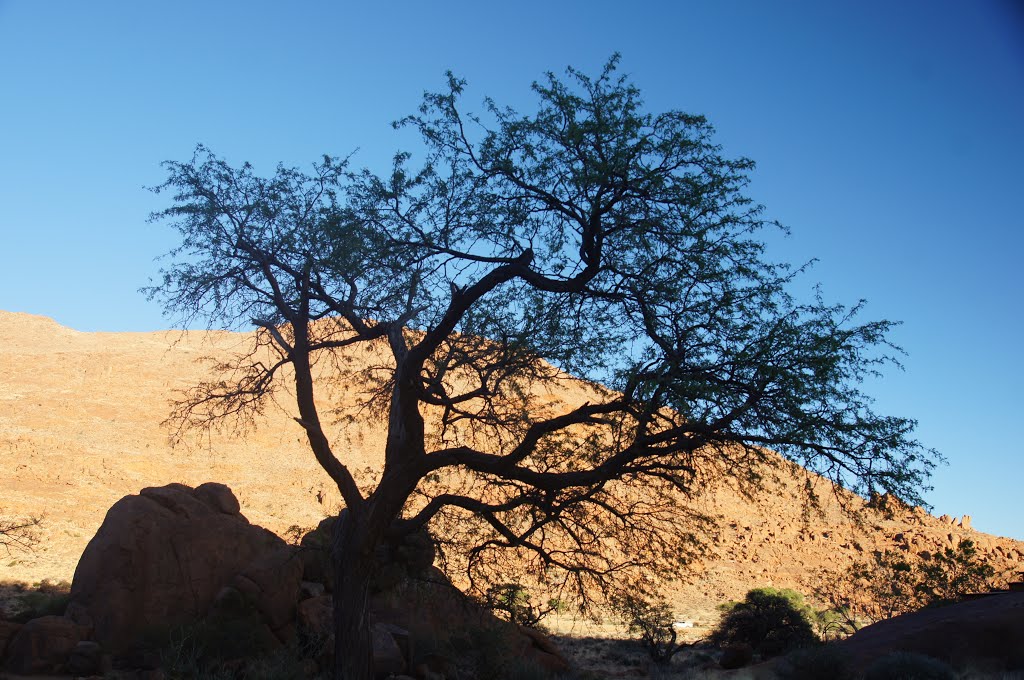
590,243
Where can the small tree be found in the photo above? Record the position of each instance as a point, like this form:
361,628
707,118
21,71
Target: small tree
951,573
771,621
650,619
591,238
895,583
886,587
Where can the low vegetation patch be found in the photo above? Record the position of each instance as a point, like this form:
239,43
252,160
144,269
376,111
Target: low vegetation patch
21,602
651,621
514,603
771,621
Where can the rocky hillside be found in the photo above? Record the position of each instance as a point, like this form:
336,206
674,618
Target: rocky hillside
80,427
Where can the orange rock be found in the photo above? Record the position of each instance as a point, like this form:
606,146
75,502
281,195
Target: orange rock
160,558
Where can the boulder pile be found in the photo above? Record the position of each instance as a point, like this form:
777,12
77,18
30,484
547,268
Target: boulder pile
176,567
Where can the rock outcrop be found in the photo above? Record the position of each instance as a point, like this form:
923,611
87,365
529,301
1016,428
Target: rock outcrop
174,558
987,632
160,558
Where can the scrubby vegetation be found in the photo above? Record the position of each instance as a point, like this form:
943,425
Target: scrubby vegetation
651,621
514,603
771,621
894,583
23,602
816,663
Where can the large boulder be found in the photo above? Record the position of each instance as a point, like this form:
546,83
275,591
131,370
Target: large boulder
271,583
315,552
987,632
160,558
430,608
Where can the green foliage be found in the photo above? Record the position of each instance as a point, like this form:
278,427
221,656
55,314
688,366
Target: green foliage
512,601
881,589
46,598
771,621
651,621
908,666
834,624
186,656
894,583
946,576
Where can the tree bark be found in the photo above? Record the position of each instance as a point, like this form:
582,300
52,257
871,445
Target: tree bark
353,562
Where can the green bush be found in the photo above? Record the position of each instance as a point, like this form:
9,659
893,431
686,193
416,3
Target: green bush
952,573
46,598
771,621
895,583
908,666
649,620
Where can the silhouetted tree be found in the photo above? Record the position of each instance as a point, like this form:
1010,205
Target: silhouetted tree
589,239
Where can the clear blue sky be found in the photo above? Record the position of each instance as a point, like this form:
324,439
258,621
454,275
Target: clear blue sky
889,136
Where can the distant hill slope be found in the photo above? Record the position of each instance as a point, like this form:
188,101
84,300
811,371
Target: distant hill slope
80,427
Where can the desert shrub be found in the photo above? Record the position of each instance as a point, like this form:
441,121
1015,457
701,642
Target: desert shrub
951,573
826,662
286,663
512,602
293,535
893,583
490,651
487,648
46,598
649,620
835,623
771,621
908,666
187,661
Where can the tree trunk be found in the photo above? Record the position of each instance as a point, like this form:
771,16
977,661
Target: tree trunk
353,562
